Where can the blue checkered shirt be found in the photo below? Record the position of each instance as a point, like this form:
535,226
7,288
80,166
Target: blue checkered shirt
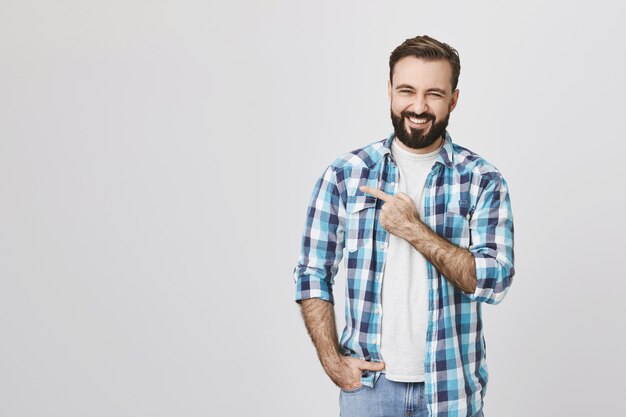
466,201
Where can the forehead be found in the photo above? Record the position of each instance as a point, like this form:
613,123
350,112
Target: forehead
419,72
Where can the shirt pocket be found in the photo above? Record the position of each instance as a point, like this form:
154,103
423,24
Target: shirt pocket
457,226
361,214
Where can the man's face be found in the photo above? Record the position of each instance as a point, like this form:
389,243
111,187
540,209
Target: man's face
421,100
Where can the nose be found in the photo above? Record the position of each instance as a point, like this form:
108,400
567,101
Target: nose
419,105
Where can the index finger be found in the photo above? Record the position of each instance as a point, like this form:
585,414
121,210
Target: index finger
376,193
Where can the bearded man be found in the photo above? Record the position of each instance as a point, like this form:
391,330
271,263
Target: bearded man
427,231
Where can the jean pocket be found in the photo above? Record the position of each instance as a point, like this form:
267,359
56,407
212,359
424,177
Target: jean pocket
361,214
353,391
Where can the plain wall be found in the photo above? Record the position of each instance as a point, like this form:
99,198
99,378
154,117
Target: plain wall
157,157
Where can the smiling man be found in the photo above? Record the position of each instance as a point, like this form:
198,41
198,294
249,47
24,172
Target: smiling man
427,231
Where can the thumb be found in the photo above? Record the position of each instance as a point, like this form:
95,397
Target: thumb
372,366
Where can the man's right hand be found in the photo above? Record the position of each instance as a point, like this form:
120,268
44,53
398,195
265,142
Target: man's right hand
346,371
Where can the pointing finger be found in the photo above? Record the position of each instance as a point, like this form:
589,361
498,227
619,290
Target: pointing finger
375,192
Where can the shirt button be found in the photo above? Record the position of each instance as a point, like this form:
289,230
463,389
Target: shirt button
382,246
377,310
392,184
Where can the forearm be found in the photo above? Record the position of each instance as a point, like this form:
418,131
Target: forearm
455,263
319,319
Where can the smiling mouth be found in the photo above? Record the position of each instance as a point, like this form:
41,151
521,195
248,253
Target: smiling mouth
418,122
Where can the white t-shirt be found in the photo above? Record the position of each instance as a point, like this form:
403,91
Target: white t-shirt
405,281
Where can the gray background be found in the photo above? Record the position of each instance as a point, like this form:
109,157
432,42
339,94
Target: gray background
156,158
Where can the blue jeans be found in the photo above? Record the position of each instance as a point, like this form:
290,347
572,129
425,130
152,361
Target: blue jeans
386,399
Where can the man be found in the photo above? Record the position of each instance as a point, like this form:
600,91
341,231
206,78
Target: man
428,233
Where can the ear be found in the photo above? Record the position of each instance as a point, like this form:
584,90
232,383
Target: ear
389,90
455,99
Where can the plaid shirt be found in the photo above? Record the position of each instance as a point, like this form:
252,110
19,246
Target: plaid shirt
466,201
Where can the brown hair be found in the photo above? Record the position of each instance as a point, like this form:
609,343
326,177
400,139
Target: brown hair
427,48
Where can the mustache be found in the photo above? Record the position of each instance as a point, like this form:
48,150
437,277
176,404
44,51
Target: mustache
418,116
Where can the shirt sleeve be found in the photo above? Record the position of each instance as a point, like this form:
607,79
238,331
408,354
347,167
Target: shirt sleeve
491,228
322,241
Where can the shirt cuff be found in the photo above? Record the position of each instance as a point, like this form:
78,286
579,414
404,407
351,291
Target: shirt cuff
493,279
309,286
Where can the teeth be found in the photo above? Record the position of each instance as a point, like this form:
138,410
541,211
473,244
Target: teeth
417,121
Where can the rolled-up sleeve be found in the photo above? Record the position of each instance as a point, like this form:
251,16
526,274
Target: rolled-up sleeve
491,229
322,241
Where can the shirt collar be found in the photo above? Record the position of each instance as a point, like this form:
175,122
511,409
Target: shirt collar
444,157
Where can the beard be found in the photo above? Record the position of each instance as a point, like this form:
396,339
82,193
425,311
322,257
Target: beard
417,138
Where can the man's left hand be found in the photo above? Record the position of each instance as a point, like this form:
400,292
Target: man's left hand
399,214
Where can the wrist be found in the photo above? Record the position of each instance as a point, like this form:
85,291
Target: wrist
331,359
416,234
334,366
